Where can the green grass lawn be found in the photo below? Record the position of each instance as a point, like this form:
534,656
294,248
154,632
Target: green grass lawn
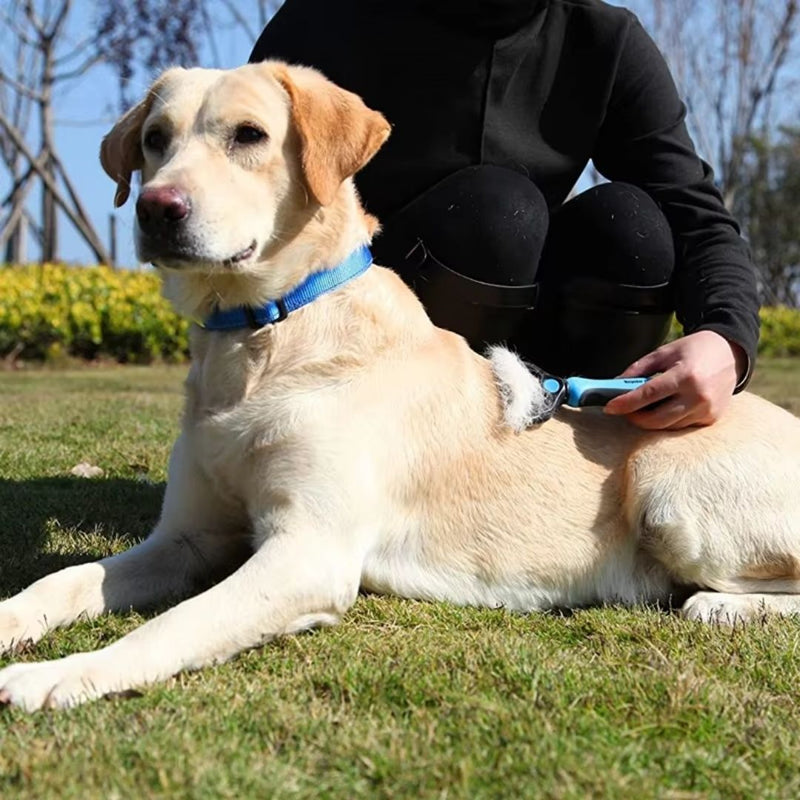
404,699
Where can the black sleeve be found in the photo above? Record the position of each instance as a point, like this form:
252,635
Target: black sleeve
644,141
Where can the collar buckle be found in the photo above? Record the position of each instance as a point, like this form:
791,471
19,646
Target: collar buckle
283,312
250,315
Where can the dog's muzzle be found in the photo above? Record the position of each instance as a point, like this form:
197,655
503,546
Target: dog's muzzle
162,214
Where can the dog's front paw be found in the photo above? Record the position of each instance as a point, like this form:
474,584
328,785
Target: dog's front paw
17,629
717,608
63,683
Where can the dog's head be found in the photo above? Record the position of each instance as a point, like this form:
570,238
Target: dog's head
236,163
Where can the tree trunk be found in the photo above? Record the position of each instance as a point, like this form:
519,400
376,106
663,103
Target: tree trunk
49,211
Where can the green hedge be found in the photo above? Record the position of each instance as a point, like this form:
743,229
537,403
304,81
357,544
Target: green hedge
780,331
51,311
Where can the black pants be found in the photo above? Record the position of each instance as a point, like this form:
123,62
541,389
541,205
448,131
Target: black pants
584,290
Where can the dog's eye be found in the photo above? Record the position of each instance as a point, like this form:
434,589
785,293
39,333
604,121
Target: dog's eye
156,140
249,134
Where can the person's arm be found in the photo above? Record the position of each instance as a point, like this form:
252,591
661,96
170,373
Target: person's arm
644,141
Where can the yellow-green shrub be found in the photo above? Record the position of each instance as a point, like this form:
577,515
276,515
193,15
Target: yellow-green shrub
87,312
780,331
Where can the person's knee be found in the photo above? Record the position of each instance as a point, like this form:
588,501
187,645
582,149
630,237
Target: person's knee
613,231
486,222
606,295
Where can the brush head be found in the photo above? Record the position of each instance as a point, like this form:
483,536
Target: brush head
529,395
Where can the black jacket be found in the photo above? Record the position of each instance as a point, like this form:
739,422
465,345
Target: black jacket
537,85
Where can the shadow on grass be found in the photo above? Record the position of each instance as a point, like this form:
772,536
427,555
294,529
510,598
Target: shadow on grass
30,509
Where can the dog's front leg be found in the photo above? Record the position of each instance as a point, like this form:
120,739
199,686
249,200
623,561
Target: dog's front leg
295,580
196,538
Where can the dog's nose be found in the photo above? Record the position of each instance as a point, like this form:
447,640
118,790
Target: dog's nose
161,206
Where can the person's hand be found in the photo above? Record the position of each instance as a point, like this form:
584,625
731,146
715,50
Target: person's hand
698,375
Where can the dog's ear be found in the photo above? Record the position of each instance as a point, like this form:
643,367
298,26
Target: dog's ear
121,149
339,134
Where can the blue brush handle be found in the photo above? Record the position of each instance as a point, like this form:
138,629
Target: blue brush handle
597,391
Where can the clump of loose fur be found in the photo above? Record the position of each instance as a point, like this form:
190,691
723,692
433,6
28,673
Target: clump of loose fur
525,400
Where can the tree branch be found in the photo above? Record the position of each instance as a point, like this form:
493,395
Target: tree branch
77,50
84,227
18,32
58,22
80,69
240,19
20,182
21,88
33,18
17,212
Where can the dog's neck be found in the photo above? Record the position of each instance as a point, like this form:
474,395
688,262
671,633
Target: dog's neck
323,342
328,342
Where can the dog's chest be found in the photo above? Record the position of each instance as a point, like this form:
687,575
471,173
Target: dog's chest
270,443
234,444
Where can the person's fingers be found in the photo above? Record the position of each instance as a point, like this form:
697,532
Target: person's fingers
672,415
654,391
696,376
660,360
690,421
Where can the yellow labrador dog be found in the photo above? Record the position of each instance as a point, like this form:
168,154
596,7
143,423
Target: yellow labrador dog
334,438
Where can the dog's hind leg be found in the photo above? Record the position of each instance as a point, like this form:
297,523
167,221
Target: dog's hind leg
723,515
194,541
749,576
725,608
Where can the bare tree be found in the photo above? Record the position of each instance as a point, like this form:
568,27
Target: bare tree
135,38
41,61
139,37
768,202
731,59
16,107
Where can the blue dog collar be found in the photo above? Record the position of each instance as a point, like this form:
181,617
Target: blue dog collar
315,285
